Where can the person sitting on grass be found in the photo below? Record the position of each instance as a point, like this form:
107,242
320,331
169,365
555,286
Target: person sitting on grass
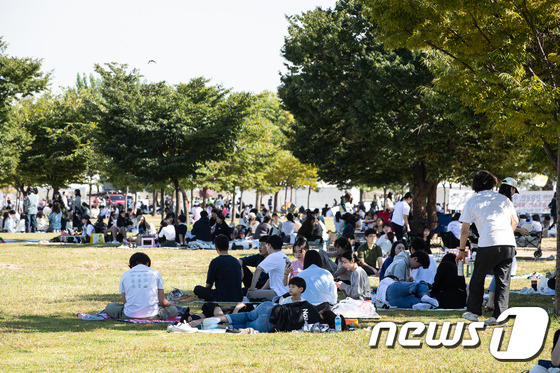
423,274
180,230
449,288
296,286
546,366
201,228
87,228
320,287
341,245
370,255
359,287
397,248
167,234
274,264
225,272
141,288
254,261
301,247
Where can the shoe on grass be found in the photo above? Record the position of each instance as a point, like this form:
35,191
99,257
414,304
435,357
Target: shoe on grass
181,328
491,322
470,316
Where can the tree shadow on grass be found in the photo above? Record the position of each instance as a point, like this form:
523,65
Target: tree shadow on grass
58,324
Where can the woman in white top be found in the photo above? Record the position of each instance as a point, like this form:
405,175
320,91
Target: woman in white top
495,219
388,204
320,286
289,226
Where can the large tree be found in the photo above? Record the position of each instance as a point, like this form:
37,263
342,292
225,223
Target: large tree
59,142
163,133
19,78
499,57
367,115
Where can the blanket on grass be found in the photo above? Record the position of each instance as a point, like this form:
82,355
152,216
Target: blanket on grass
103,316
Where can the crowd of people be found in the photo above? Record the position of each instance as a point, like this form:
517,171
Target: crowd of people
409,276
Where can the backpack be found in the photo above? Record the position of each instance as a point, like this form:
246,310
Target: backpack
293,316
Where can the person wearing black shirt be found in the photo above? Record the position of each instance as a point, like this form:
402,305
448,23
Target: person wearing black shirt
221,227
449,288
224,272
181,230
201,228
254,261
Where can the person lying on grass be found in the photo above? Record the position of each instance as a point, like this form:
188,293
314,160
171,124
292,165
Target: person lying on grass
270,317
141,288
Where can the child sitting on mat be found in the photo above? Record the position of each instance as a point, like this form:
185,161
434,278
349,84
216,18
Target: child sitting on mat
296,286
141,288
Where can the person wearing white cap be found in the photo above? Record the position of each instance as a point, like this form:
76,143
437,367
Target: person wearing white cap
496,219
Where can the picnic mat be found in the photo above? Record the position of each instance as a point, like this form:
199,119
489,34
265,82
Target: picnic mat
103,316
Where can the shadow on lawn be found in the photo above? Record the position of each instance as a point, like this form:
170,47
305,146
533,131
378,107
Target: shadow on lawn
57,324
103,298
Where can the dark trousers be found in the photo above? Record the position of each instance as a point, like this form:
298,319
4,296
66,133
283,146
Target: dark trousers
398,229
368,270
496,260
203,292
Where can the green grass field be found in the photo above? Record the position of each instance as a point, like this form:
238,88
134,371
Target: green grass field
43,287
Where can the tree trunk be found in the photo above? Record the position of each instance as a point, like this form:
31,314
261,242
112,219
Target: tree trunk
241,203
276,201
286,199
135,201
309,196
126,200
292,195
361,195
204,189
154,202
185,204
232,207
557,292
176,204
162,204
89,195
424,202
257,195
444,197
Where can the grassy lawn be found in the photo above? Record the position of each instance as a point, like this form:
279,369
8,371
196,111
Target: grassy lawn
44,287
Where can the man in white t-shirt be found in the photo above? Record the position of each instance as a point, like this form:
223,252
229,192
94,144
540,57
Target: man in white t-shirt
274,265
495,219
141,288
399,221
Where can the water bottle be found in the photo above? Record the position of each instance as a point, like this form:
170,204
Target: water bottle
337,323
460,268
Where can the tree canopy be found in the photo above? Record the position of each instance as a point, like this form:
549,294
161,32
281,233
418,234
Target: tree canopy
367,115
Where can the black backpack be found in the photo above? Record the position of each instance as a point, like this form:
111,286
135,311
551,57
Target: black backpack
292,316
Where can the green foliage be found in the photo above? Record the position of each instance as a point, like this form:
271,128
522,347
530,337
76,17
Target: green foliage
498,57
162,133
60,140
370,116
257,160
19,77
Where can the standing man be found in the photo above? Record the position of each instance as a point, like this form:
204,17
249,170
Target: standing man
30,208
401,211
496,219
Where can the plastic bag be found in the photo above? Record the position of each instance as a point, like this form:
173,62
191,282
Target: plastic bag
355,309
